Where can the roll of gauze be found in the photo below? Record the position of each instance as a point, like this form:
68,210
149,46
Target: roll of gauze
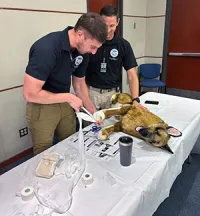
27,193
87,179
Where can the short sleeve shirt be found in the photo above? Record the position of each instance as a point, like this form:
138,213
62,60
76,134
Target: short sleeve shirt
52,60
116,53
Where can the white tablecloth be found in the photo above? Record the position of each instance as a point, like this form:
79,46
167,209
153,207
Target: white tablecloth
138,190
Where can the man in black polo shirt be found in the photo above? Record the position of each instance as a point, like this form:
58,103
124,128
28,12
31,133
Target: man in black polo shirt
103,74
53,60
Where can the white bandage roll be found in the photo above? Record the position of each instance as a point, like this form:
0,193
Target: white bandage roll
87,179
27,193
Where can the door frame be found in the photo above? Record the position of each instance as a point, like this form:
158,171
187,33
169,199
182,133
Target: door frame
166,40
120,12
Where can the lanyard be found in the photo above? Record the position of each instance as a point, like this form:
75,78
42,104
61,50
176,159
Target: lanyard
71,58
104,54
103,64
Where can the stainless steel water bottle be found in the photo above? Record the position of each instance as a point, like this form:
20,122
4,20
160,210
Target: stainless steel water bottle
125,145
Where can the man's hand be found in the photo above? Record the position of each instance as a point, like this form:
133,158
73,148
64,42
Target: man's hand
92,109
99,123
75,102
81,90
135,103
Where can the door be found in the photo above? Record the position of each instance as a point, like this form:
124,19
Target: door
96,5
183,60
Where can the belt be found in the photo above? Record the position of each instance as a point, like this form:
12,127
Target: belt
101,91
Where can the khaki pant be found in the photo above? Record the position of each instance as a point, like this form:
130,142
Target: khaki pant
101,100
45,120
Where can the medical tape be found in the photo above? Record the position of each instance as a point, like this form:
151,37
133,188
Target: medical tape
87,179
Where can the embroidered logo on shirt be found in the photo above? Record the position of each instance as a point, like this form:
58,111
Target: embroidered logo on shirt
114,53
78,60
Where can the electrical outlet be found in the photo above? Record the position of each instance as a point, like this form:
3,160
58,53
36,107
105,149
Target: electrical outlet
23,132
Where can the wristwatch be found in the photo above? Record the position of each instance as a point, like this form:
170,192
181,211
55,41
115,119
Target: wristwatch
136,99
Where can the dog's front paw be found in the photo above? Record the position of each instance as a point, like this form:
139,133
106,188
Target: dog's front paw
99,115
102,134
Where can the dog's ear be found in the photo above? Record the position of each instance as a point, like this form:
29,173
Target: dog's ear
114,98
142,131
138,128
173,132
166,147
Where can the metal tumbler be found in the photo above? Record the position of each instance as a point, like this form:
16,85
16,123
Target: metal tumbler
125,145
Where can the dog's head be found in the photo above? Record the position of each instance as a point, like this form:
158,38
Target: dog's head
158,135
153,130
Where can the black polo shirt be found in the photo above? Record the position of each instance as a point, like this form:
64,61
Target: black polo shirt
52,60
117,53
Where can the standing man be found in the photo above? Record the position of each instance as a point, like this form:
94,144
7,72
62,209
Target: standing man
103,74
53,61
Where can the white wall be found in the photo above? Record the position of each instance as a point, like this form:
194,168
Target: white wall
147,37
19,29
155,23
156,7
154,36
134,13
61,5
135,7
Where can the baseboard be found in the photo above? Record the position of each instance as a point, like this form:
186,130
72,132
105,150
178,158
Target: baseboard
16,157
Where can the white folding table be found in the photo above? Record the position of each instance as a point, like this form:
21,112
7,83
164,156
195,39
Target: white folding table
136,190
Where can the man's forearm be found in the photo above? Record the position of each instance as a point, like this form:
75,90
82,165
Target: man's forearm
83,94
133,82
46,97
134,88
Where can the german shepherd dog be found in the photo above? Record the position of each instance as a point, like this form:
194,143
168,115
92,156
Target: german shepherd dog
136,121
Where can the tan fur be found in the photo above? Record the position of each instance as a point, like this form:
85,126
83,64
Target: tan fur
139,117
137,122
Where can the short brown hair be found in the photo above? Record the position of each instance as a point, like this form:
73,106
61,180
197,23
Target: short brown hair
93,24
109,11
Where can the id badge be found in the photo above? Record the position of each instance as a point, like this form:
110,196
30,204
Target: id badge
103,67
